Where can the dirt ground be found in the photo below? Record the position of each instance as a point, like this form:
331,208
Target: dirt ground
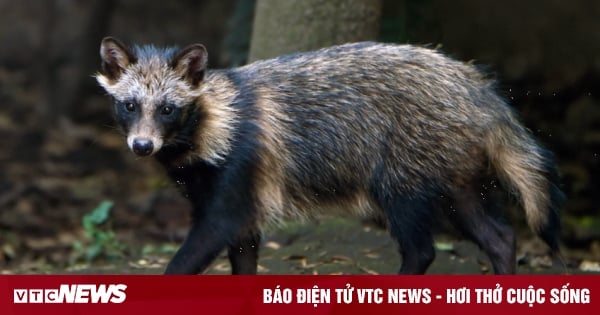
335,246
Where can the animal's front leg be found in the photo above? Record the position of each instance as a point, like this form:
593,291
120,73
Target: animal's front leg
203,244
243,254
216,227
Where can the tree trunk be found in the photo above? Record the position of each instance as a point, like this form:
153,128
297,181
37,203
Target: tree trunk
282,27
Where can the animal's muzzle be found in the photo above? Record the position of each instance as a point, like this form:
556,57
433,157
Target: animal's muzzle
142,147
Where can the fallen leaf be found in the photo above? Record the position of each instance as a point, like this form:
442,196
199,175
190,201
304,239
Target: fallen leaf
589,266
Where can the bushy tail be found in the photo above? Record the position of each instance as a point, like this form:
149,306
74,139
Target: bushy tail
531,171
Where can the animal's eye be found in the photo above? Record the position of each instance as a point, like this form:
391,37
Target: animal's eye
130,107
166,110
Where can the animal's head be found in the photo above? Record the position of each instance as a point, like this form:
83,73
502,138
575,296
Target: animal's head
154,91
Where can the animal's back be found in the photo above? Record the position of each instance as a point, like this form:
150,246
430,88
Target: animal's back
350,111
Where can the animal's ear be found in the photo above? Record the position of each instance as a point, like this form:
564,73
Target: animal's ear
116,57
190,63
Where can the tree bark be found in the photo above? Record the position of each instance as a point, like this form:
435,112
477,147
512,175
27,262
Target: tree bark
282,27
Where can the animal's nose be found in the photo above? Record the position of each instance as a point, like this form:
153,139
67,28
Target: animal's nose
142,147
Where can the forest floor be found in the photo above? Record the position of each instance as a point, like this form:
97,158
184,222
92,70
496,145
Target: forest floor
334,246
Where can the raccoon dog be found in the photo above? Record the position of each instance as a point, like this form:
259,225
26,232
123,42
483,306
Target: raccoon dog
394,132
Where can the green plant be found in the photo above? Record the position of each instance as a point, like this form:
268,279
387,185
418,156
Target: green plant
100,240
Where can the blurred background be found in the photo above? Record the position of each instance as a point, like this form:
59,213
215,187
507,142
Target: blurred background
72,198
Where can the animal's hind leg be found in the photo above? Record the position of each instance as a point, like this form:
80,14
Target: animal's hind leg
410,225
495,238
